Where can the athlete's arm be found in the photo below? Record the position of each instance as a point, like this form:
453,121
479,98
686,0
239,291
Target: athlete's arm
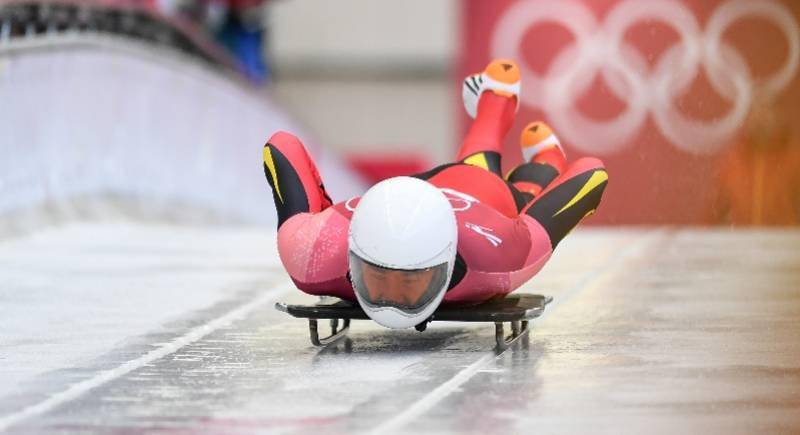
312,235
313,250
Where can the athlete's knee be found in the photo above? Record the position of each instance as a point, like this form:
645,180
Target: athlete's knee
291,149
575,196
593,166
295,182
589,180
286,142
586,178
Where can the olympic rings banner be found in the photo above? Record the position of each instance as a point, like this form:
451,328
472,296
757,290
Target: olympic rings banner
658,89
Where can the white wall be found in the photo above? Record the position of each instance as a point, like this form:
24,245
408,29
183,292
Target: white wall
369,76
85,116
421,32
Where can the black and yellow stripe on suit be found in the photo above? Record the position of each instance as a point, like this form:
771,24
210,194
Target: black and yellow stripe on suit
287,188
561,209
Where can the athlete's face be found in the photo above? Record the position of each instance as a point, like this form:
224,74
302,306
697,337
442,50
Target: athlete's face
397,286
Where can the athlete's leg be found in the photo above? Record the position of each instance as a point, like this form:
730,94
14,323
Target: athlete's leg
293,176
491,98
544,159
572,197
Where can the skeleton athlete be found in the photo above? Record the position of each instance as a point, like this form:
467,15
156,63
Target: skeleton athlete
460,233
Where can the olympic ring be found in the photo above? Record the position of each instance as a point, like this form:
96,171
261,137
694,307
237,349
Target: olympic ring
600,48
455,197
349,206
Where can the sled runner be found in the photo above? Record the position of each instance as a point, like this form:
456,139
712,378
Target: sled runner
515,309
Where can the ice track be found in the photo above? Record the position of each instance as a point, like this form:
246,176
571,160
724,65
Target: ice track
132,327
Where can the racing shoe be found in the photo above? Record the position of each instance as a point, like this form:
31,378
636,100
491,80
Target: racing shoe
539,144
501,76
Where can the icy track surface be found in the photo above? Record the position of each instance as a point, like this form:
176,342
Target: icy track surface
130,328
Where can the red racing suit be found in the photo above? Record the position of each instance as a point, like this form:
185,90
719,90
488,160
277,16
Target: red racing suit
505,233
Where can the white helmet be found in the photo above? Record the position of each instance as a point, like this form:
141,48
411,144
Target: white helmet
403,238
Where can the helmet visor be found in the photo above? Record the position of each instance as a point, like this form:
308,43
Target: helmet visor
407,290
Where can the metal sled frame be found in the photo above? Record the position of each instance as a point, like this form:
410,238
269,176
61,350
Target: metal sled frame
518,329
516,310
336,333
